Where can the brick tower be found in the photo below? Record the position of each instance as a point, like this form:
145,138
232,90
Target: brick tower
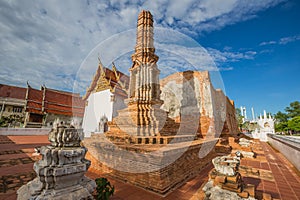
144,74
143,116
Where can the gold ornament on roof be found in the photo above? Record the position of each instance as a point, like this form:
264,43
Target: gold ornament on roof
102,83
115,71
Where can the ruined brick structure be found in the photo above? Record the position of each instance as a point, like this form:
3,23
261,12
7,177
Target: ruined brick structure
192,92
155,143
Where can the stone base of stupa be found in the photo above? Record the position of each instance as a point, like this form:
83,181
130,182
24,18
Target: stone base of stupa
144,119
80,191
159,168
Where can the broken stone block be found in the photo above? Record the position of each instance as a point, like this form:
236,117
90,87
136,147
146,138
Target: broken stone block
247,154
217,193
243,194
234,179
226,165
244,142
226,182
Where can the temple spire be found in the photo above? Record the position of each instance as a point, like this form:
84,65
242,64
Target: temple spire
144,74
144,48
143,116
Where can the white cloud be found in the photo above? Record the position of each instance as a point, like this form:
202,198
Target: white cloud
286,40
282,41
45,41
267,43
230,56
177,53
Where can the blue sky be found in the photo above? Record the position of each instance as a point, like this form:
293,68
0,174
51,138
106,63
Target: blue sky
270,80
255,44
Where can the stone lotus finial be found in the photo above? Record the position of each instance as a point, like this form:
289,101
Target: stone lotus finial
63,136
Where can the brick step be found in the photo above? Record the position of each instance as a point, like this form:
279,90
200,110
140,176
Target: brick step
33,125
8,152
15,181
6,142
21,168
15,161
28,154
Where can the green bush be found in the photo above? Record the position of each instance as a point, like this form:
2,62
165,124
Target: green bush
104,189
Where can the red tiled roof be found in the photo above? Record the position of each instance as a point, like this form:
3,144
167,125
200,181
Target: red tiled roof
63,103
12,92
34,101
55,101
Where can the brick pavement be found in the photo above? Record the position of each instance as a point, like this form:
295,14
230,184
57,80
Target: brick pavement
189,190
16,162
277,176
270,172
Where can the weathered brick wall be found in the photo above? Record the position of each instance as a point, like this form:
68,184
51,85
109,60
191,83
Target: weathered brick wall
161,180
192,92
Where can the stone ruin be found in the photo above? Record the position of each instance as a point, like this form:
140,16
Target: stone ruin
225,182
60,172
244,142
144,146
243,147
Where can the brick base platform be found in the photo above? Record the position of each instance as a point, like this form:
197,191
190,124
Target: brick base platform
158,170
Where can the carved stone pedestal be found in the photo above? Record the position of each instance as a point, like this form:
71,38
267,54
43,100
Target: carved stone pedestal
60,173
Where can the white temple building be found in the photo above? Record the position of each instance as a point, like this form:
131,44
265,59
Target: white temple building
265,124
104,97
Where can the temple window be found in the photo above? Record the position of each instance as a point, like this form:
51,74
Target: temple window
17,109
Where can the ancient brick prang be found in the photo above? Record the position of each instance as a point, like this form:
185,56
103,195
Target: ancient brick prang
143,116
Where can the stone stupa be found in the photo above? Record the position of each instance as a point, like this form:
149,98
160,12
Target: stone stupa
60,172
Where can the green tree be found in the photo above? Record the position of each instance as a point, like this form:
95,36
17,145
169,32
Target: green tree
281,127
293,110
239,117
294,124
289,120
281,117
11,120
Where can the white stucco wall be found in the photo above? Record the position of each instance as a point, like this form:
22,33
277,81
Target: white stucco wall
99,104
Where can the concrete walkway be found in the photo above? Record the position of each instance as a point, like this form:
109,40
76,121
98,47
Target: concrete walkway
270,172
